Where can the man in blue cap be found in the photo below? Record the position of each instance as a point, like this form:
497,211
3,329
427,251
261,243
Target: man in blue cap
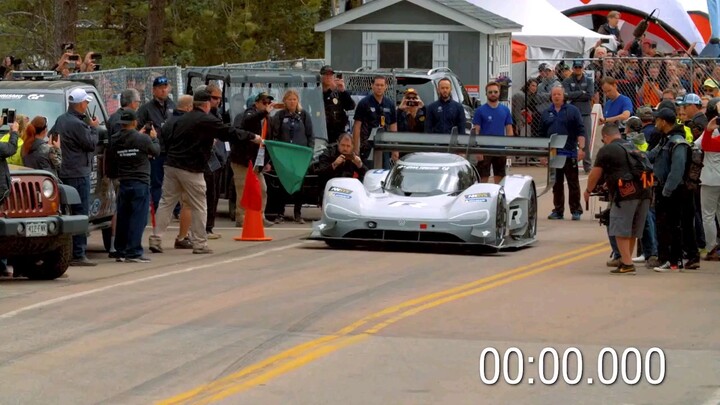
696,120
580,89
156,112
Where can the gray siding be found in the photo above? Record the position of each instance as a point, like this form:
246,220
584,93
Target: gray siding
346,48
404,13
463,56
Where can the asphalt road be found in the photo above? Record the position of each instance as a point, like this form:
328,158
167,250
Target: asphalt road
292,322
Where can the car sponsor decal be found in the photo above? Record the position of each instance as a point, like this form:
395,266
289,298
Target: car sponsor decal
11,96
477,197
410,167
340,192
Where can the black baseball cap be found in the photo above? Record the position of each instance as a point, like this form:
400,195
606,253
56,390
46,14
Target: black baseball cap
161,81
326,70
128,116
666,114
263,96
202,96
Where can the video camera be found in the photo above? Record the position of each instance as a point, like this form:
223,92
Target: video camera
603,193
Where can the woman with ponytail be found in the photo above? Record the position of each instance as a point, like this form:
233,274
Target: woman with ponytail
37,153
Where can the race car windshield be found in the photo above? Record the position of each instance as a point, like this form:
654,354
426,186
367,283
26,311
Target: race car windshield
428,180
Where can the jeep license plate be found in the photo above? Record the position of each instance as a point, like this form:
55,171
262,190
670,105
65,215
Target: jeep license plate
36,229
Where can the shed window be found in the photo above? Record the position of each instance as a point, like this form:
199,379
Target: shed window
405,54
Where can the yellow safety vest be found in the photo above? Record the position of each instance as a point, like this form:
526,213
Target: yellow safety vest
15,159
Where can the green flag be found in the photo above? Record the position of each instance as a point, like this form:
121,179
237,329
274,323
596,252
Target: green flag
290,162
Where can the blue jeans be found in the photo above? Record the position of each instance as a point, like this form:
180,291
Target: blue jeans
649,241
157,173
133,201
82,185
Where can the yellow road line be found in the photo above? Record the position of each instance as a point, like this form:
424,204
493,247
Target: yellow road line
304,353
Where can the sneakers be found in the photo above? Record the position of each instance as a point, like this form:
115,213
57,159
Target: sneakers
638,259
613,262
183,244
624,269
202,250
141,259
555,215
652,262
666,268
299,220
279,219
211,235
576,216
155,244
713,256
82,262
692,264
267,223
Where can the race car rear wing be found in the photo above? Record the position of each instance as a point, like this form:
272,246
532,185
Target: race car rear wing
470,145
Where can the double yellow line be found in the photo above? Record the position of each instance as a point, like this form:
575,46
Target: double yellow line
295,357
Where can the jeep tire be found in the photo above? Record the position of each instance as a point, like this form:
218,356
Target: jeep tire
50,265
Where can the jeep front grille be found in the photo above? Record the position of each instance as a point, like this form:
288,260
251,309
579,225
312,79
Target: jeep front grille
25,198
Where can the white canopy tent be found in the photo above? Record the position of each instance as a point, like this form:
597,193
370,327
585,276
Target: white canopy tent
546,31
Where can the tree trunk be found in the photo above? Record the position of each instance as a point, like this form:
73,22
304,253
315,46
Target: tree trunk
65,20
154,41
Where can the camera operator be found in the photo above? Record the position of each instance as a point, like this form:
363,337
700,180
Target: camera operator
629,199
411,113
338,160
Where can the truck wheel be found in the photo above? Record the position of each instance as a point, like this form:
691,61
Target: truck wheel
107,238
51,265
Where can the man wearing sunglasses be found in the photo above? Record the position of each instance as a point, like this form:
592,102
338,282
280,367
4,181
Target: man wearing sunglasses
492,119
241,155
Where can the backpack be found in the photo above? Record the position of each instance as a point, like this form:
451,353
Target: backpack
640,178
693,164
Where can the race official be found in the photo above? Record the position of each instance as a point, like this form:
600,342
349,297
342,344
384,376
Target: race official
243,156
79,138
129,156
565,119
629,204
580,90
445,113
374,111
337,102
189,146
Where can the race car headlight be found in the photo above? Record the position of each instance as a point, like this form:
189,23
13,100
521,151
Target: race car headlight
48,188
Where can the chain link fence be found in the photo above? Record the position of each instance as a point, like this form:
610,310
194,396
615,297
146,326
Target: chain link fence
646,81
110,83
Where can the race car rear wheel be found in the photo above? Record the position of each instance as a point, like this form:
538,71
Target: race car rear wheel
531,229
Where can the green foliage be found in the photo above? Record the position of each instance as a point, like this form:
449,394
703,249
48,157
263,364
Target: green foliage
196,32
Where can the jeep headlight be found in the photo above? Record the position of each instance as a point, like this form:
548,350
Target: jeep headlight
48,188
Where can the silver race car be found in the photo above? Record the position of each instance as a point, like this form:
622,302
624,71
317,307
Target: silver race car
437,197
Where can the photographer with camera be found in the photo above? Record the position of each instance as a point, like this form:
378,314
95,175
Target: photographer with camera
630,193
69,62
411,113
338,160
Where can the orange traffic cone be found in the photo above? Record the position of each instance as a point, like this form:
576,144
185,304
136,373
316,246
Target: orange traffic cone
253,228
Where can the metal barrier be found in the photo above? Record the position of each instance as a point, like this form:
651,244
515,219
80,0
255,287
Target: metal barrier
110,83
646,81
303,64
360,83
